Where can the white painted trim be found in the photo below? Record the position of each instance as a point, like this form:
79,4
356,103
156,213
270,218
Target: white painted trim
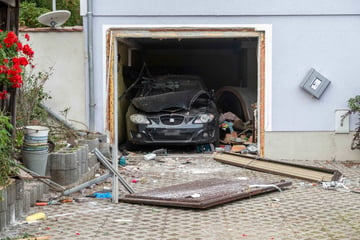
83,7
268,79
267,28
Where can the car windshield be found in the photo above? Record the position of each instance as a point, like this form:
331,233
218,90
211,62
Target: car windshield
167,84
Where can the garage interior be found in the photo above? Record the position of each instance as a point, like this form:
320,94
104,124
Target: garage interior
220,62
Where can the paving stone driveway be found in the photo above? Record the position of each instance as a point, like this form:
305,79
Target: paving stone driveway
304,211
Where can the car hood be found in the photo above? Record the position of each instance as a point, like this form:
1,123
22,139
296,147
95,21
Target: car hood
157,103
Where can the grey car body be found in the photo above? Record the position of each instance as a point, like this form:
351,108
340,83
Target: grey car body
173,110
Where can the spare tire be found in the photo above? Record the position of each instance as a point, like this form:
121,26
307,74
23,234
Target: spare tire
236,100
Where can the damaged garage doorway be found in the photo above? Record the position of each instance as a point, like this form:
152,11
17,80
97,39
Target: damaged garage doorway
221,57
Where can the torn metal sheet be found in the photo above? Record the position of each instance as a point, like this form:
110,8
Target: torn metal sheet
202,193
276,167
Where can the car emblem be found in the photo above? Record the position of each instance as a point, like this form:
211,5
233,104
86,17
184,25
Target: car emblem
171,120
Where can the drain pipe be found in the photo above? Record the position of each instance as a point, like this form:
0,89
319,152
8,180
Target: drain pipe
92,104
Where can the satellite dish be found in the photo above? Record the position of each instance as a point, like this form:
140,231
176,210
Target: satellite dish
54,18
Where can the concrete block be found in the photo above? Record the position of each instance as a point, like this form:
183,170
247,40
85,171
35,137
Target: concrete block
105,149
92,143
92,159
11,193
3,200
101,137
3,224
39,190
10,214
65,177
63,160
26,203
32,196
19,208
46,188
19,189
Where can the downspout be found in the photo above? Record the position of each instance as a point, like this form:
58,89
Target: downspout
89,15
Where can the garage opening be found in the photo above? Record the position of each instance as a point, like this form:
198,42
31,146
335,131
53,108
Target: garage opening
228,65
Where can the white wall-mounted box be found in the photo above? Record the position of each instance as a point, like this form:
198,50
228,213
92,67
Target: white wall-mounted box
342,121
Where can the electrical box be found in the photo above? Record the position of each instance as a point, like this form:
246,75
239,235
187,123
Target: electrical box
314,83
342,121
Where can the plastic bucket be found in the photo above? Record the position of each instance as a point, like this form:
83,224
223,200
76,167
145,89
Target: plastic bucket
36,161
41,147
36,131
33,139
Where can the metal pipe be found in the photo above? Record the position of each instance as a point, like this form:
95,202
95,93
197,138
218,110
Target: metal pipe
49,182
115,186
109,166
54,5
57,117
90,65
88,184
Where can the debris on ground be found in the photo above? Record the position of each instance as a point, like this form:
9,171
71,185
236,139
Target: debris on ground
108,165
149,156
36,238
35,217
203,194
281,168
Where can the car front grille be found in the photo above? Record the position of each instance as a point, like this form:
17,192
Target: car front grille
171,119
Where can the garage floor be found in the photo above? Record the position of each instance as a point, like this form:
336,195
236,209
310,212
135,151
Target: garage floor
304,211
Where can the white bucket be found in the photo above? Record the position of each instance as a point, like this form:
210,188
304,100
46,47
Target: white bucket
36,131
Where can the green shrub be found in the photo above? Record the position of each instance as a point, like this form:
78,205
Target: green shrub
29,13
31,10
7,162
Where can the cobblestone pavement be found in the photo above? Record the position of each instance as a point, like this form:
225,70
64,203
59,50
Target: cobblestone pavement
304,211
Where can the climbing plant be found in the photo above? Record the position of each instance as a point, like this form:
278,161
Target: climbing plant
354,106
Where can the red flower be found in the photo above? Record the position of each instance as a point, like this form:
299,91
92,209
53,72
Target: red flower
27,37
27,50
19,46
14,56
23,61
16,85
20,61
3,69
10,39
3,95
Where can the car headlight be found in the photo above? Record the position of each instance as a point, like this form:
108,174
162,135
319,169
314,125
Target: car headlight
204,118
139,119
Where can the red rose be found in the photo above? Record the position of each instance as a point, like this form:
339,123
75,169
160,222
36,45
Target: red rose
27,37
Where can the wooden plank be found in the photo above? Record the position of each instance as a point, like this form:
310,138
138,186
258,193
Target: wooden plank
24,175
280,168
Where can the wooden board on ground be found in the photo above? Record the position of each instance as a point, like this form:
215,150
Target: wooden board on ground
280,168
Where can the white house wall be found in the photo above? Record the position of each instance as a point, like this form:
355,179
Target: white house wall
305,35
64,52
